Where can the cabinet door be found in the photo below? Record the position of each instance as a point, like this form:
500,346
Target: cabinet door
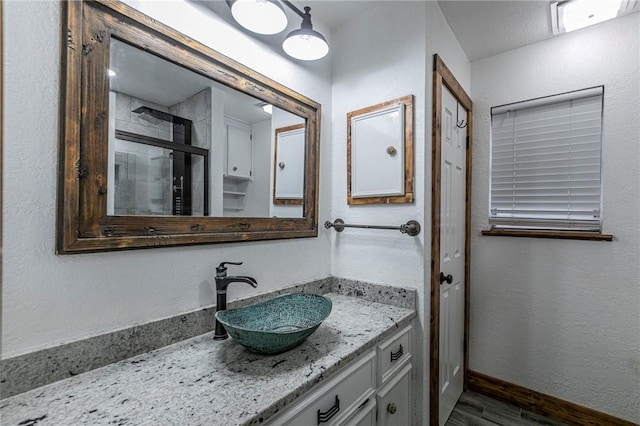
239,151
394,400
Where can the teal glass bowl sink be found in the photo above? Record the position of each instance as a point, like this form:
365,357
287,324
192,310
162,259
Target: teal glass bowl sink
276,325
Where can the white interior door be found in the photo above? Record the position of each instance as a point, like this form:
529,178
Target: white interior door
289,165
452,253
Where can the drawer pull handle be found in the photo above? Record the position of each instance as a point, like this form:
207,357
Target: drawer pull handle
396,355
326,416
392,408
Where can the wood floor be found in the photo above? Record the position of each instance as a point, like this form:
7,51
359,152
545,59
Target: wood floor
474,409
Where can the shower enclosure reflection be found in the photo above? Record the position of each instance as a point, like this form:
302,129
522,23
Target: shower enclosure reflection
181,144
153,176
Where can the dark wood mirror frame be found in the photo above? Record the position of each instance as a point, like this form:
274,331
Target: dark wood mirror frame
82,221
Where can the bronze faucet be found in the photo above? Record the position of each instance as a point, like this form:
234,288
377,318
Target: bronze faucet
222,282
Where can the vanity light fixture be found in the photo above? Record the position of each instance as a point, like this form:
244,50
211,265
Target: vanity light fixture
306,43
268,17
572,15
268,108
259,16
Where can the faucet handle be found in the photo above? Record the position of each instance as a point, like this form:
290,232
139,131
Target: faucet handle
221,269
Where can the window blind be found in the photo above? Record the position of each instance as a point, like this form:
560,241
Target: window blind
545,163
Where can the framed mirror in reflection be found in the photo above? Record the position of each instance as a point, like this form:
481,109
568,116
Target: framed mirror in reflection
167,142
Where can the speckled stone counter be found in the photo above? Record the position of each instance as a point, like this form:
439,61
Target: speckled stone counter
202,381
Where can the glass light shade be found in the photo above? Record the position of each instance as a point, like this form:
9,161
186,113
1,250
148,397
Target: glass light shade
259,16
582,13
305,44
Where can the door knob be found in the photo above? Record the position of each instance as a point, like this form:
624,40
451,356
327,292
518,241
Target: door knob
392,408
447,278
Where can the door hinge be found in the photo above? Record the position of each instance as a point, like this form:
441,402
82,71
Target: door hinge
467,142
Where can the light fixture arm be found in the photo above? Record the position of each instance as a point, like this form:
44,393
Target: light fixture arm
306,19
306,15
296,10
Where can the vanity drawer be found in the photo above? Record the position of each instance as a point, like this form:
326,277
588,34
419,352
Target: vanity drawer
393,354
350,391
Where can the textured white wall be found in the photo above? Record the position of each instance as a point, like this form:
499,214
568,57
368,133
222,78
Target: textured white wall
378,57
563,317
384,54
49,299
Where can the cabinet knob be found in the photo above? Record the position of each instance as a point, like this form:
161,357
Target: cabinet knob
281,165
392,408
235,169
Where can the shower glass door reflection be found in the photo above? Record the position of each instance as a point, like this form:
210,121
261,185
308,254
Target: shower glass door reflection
157,180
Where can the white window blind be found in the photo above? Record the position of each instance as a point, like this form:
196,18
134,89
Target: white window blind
545,163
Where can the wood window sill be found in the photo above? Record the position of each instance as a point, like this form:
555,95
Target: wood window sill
562,235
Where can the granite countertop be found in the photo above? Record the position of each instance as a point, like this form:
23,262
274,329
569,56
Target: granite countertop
202,381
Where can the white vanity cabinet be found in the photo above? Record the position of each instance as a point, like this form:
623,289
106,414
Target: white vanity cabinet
394,380
374,389
344,395
239,149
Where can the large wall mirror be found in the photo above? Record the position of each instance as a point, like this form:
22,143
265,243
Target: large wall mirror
167,142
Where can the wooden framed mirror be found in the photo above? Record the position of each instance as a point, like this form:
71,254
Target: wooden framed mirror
164,141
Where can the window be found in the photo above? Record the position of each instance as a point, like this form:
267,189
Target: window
545,163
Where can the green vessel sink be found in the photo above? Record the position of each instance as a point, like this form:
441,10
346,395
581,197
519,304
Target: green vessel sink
276,325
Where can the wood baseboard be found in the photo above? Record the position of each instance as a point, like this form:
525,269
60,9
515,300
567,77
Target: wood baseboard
539,403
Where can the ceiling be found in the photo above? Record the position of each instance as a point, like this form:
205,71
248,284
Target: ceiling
333,13
484,28
150,78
